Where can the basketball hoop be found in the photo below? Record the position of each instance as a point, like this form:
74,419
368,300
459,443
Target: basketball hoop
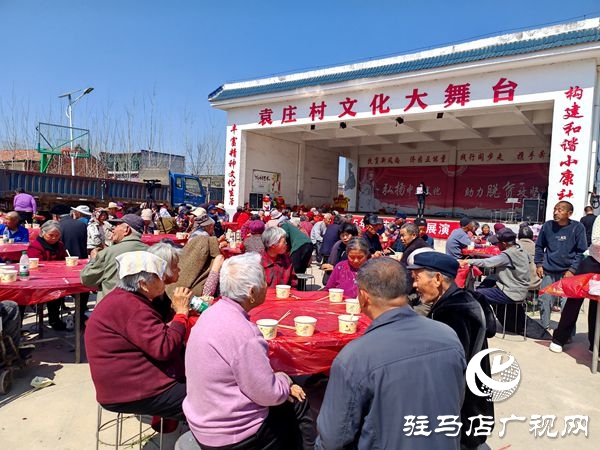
71,153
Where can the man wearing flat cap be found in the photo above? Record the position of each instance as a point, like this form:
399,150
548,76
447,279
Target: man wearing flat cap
510,283
372,225
102,270
433,277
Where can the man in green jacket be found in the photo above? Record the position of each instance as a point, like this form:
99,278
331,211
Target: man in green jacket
102,270
300,246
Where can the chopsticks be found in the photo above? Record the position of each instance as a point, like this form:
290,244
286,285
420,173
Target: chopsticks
284,316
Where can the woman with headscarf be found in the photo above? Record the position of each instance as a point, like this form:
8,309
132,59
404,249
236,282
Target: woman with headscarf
135,357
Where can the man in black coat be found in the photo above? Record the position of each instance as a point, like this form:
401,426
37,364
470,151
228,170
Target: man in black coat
74,236
433,274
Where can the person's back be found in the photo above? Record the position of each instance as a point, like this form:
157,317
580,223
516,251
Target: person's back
376,364
588,222
74,236
403,365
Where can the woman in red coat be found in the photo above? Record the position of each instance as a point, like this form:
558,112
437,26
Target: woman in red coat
48,247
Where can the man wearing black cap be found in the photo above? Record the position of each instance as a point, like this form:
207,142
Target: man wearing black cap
433,277
459,238
421,223
103,270
511,281
372,225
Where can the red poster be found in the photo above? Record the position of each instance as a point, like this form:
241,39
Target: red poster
473,190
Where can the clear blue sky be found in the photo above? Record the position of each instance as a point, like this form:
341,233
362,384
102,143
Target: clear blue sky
174,53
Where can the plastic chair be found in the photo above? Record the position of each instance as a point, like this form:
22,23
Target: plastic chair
118,422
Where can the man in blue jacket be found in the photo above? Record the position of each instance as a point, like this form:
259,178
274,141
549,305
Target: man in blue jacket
558,251
388,387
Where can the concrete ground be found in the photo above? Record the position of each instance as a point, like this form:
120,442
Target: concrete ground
63,415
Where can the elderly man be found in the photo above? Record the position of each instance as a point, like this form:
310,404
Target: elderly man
558,251
12,229
376,382
433,274
459,238
511,281
422,224
317,233
409,236
372,225
102,270
114,210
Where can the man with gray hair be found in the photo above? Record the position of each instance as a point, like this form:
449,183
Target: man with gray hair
377,381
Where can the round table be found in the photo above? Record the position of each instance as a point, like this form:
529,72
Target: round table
297,355
12,252
151,239
50,281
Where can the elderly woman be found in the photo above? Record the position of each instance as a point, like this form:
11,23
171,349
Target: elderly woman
135,357
234,399
344,272
276,259
253,242
48,247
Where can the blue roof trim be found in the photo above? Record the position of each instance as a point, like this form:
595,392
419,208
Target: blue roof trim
495,51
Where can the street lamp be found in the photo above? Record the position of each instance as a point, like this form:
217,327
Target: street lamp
69,114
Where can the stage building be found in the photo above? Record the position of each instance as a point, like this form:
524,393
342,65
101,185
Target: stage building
489,126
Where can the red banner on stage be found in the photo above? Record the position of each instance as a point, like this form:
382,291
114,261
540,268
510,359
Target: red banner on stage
451,189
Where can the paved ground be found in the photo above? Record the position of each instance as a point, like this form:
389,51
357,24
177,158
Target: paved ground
63,416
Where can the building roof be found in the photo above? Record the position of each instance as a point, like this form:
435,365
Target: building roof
531,41
19,155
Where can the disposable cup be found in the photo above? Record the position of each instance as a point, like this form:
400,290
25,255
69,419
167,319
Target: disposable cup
156,232
71,261
282,290
34,263
179,235
352,306
336,295
8,276
305,325
347,323
35,225
11,240
27,225
268,328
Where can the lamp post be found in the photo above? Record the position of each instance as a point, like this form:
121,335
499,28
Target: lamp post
69,114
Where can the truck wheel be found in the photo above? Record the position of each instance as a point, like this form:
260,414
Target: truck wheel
5,381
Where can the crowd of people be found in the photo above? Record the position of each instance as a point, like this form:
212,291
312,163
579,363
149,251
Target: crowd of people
153,351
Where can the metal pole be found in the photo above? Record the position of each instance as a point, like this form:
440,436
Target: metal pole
70,109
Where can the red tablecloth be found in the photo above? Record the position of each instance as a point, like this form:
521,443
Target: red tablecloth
12,252
296,355
233,226
33,233
152,239
483,252
52,280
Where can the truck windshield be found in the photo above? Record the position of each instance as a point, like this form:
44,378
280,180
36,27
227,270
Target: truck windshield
192,186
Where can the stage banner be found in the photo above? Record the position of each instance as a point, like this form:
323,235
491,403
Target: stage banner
453,190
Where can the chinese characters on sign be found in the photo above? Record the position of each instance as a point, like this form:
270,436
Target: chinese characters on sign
571,129
482,425
231,165
454,94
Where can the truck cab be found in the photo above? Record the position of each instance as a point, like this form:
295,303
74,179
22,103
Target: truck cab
186,189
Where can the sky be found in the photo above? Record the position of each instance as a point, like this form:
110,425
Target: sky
153,63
